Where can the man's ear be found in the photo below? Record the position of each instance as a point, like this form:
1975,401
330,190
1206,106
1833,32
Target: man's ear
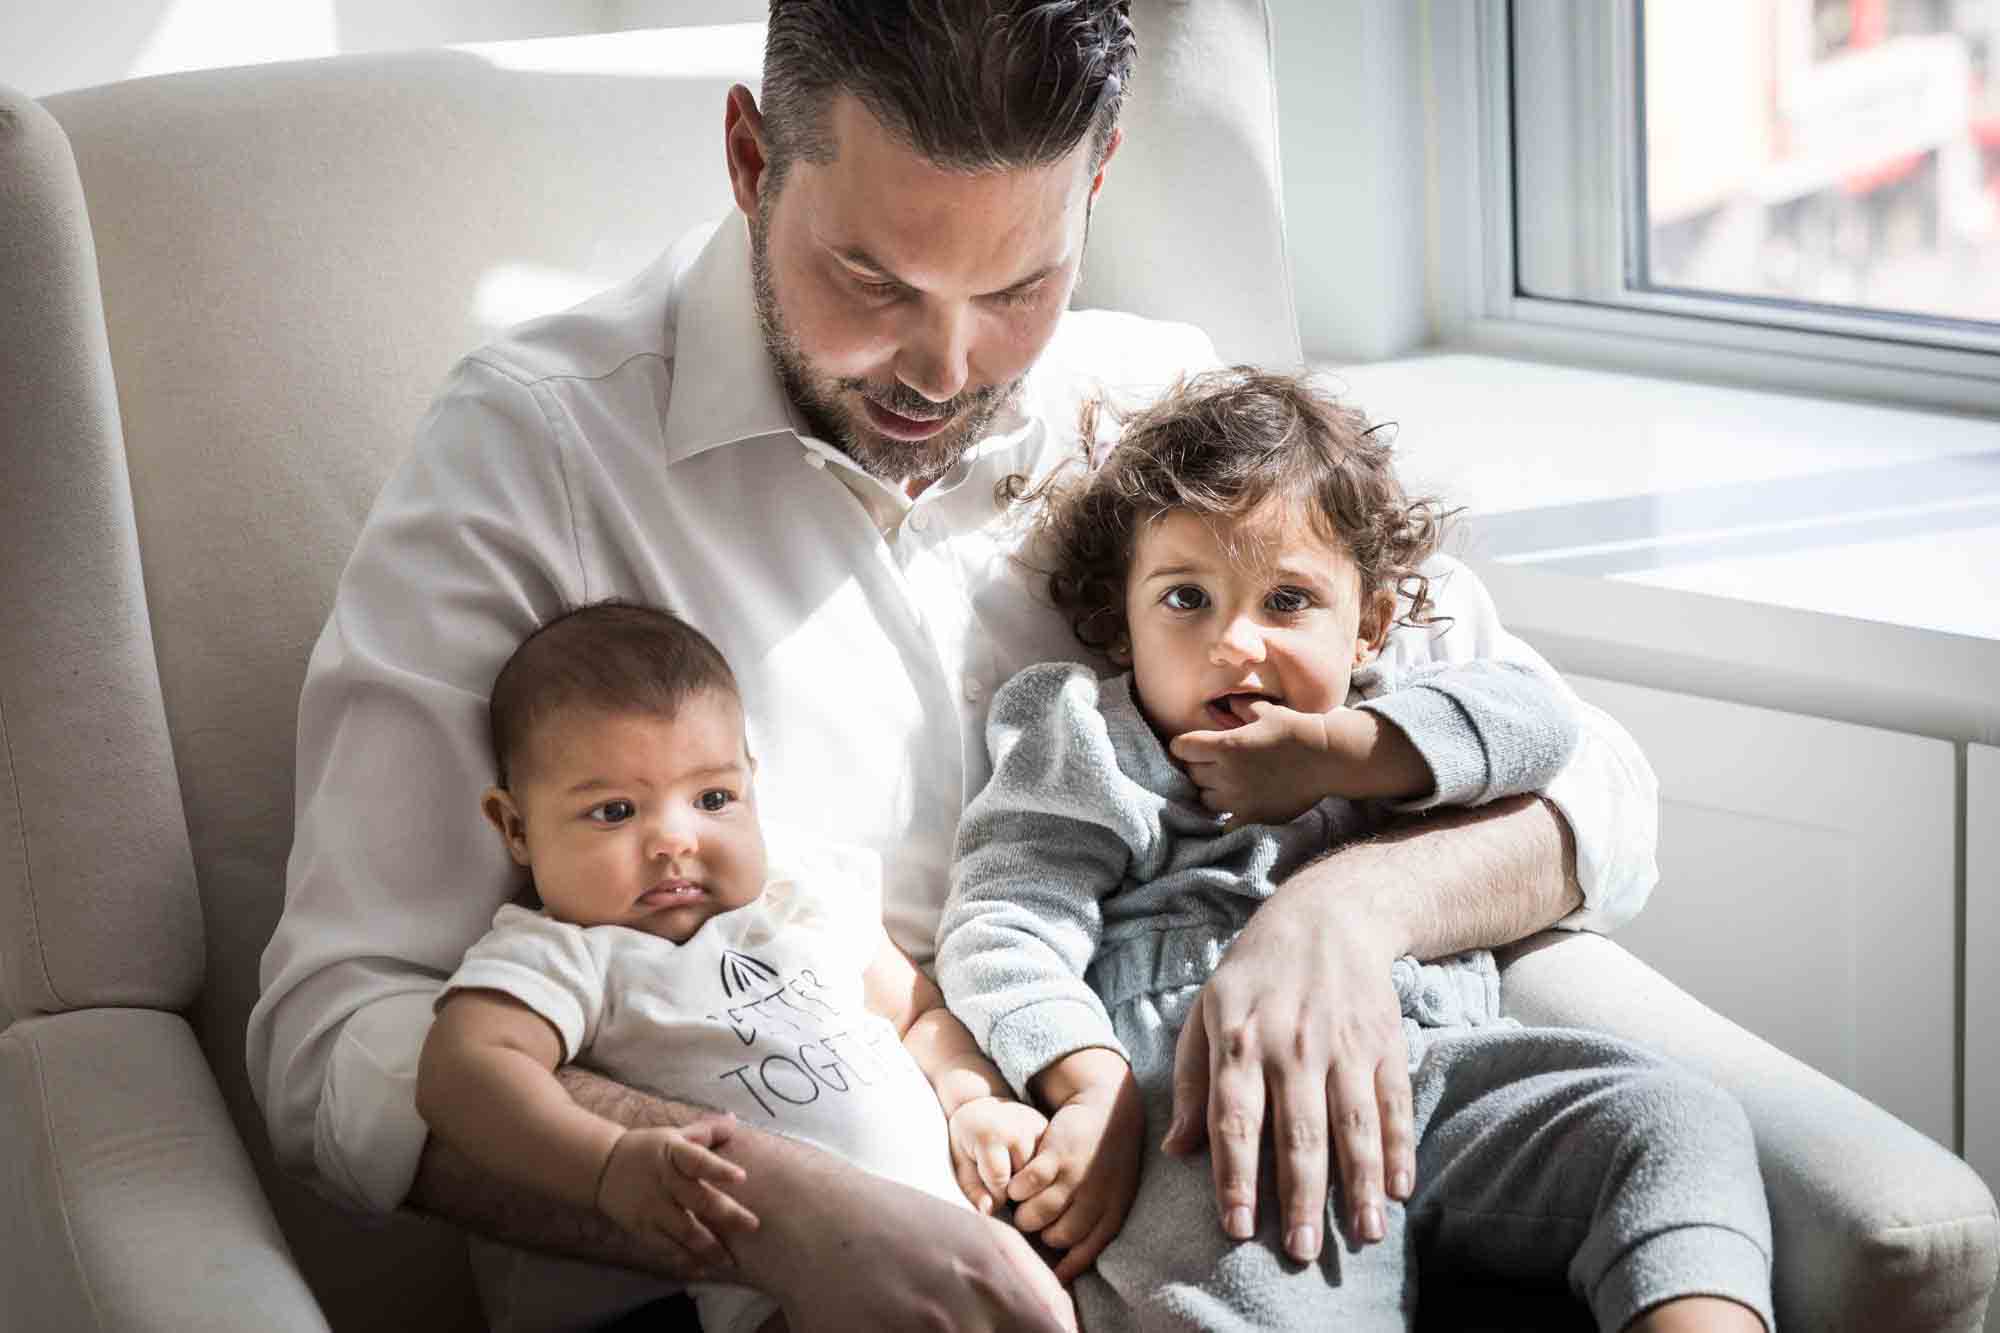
743,145
497,804
1377,618
1110,151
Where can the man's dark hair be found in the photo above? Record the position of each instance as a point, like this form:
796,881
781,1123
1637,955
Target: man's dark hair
611,656
971,85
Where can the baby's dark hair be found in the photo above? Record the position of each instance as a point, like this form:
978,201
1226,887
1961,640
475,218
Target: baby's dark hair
1219,445
613,656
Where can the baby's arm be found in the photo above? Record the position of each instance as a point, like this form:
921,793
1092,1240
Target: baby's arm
486,1084
992,1135
1451,734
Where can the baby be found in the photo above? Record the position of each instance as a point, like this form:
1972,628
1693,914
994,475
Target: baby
672,954
1245,553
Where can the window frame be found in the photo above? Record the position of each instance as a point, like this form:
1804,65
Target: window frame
1580,66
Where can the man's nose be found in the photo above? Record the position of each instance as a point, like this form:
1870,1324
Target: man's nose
935,358
1241,641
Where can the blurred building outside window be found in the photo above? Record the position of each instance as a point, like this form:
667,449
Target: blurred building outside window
1842,153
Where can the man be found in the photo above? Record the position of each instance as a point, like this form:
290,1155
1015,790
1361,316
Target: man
790,431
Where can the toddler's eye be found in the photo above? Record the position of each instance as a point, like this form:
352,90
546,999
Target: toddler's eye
1185,597
715,800
612,812
1288,599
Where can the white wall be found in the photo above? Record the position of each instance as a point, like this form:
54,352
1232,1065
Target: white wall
1351,128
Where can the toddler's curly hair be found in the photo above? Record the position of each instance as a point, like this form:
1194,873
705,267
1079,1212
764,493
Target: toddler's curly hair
1218,445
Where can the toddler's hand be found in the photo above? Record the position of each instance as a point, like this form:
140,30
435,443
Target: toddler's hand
1079,1185
991,1139
669,1182
1271,770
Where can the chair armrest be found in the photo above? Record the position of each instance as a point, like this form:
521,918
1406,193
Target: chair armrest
1875,1226
129,1201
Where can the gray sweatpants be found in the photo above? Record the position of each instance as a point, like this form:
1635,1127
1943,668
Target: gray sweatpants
1544,1154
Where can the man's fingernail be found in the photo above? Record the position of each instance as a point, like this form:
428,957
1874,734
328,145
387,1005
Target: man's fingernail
1238,1223
1303,1243
1400,1185
1371,1223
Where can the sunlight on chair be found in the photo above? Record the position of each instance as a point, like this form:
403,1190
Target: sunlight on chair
510,293
721,51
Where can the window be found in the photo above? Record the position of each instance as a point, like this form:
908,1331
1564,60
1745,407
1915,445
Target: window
1799,191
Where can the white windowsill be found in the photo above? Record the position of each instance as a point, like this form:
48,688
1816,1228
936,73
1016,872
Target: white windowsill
1824,557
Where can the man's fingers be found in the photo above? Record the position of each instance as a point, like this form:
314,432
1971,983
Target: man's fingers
1357,1141
1235,1124
1188,1129
1399,1130
1298,1128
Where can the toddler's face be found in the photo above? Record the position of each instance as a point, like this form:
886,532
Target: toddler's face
1280,617
635,820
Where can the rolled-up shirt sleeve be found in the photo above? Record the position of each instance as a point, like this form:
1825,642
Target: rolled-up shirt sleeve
393,872
1606,792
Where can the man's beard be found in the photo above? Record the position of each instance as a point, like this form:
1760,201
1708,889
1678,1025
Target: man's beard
819,397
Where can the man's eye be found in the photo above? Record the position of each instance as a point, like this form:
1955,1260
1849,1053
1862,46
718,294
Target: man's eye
1185,597
715,800
612,812
1288,600
1018,296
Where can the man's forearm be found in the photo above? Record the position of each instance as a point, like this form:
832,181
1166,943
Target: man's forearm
450,1185
1456,879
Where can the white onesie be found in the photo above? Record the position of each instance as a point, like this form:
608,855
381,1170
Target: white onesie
760,1012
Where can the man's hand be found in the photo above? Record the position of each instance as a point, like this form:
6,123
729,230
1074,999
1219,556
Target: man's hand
670,1183
1078,1187
1281,763
991,1139
1300,1021
844,1249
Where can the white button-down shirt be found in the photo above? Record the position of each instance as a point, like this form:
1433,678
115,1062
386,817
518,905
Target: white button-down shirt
640,446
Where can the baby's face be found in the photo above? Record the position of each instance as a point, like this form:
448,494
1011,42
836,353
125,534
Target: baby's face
634,820
1280,617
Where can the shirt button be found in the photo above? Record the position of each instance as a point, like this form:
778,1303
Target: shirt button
920,520
974,691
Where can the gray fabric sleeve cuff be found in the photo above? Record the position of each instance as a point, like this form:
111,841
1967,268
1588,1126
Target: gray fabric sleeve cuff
1447,740
1032,1038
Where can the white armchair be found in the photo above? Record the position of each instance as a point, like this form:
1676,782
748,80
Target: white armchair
224,300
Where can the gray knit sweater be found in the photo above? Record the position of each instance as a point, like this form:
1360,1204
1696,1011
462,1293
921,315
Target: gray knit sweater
1089,846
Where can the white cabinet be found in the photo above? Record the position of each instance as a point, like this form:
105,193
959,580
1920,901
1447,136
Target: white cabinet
1808,888
1982,967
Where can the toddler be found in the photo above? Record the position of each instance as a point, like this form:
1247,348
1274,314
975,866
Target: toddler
671,954
1244,554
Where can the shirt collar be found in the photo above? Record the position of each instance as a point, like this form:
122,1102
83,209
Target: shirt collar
725,388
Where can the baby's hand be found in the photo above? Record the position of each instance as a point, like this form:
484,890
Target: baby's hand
669,1182
991,1139
1079,1185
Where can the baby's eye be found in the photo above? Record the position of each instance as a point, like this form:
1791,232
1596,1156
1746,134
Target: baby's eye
612,812
1185,597
715,800
1288,599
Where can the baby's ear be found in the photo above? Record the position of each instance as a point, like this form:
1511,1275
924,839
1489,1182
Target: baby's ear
1378,617
1120,651
497,804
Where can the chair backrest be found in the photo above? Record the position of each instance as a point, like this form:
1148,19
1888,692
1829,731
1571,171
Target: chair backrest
291,257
